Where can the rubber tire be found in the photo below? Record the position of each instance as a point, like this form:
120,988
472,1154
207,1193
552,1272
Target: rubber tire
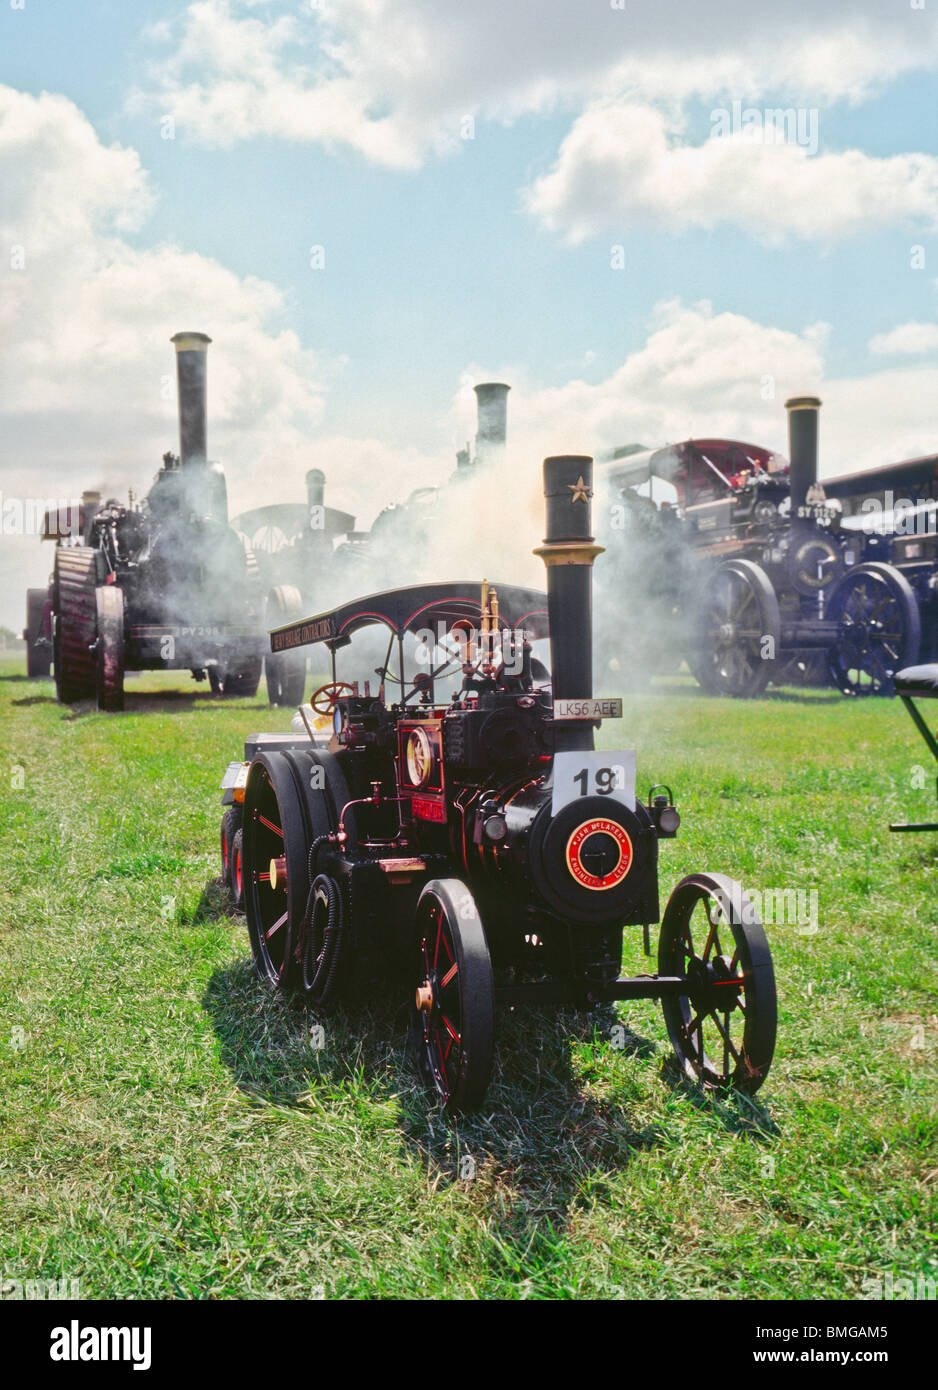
476,997
109,653
755,959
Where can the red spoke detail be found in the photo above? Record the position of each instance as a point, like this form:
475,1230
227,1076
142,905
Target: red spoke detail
270,825
262,878
276,926
439,933
449,976
446,947
449,1028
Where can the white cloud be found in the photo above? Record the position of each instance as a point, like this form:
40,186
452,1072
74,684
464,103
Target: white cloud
911,339
621,165
708,374
85,327
391,79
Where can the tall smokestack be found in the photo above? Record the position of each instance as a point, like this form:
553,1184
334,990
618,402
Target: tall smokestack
568,553
191,354
802,448
315,487
492,430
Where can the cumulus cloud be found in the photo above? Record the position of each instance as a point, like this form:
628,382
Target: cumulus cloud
911,339
393,79
84,327
621,165
702,373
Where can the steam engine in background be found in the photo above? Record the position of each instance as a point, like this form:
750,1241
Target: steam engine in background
311,555
165,584
763,579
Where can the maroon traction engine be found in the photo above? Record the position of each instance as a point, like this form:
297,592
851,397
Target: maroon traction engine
478,844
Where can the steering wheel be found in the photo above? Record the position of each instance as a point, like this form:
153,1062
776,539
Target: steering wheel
325,699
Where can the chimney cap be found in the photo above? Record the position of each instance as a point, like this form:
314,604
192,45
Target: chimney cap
803,403
190,342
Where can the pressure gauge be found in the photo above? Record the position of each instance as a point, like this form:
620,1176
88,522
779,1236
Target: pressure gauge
419,755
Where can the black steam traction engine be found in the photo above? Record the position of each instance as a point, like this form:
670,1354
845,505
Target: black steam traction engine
308,554
768,583
479,842
165,586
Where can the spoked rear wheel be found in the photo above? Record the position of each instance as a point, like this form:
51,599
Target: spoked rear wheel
739,631
453,1010
723,1029
275,874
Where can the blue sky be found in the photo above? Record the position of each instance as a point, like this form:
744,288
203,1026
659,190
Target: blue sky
449,260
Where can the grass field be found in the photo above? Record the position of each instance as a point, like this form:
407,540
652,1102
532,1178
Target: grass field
167,1129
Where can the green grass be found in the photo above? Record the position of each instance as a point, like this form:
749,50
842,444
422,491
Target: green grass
167,1129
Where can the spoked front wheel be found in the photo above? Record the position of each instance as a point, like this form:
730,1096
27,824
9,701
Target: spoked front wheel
453,1009
275,876
723,1029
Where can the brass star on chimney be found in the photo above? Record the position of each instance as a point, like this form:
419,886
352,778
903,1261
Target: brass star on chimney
581,493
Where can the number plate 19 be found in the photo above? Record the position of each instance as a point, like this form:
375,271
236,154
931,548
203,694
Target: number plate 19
597,773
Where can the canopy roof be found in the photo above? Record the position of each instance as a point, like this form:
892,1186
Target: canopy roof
630,468
413,609
920,472
292,518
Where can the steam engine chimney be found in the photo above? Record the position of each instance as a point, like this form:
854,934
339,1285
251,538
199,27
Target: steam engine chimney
802,448
191,353
315,487
492,429
568,553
